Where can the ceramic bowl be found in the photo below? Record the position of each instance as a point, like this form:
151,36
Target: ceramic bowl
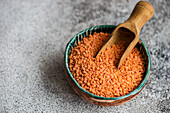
94,99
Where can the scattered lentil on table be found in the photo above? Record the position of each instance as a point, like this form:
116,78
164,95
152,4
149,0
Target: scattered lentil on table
99,75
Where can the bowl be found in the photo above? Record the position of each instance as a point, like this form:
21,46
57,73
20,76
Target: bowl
94,99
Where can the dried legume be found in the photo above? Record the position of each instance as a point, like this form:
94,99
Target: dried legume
99,75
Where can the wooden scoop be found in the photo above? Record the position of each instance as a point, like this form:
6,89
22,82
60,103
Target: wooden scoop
129,30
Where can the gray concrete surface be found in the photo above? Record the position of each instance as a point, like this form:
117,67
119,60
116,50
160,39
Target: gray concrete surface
33,36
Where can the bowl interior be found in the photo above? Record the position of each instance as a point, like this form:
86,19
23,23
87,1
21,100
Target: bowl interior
105,28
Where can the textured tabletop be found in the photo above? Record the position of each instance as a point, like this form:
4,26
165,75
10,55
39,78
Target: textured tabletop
33,36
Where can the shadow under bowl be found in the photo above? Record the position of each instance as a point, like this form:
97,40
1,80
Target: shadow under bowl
94,99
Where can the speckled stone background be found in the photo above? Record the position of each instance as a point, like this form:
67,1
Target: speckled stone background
33,36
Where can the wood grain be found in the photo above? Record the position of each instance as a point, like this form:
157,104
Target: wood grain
130,29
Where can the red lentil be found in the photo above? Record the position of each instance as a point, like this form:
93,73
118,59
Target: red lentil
99,75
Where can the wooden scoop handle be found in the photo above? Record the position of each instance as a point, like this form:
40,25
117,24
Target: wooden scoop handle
142,12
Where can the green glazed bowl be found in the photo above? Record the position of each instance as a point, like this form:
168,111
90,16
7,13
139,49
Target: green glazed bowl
94,99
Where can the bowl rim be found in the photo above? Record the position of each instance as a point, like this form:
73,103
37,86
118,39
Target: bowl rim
96,96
